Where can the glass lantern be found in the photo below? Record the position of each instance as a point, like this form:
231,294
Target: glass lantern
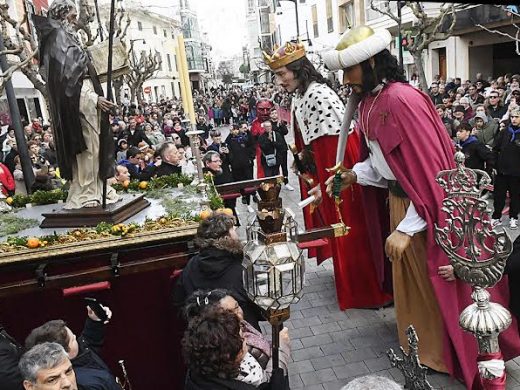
274,267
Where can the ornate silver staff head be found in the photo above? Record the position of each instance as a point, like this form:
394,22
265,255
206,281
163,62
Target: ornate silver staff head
477,252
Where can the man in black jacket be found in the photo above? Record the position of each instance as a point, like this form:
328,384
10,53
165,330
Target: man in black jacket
478,156
281,128
218,265
91,371
212,163
10,353
241,155
169,163
507,151
134,135
272,146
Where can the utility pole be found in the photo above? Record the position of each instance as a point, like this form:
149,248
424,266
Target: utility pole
21,143
400,38
297,20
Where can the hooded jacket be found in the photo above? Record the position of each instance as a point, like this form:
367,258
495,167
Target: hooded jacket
217,268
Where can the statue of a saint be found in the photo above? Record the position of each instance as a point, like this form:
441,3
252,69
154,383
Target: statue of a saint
84,149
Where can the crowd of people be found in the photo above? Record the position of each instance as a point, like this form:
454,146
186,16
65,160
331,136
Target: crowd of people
483,118
150,140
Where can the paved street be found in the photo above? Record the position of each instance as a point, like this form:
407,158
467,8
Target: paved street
331,347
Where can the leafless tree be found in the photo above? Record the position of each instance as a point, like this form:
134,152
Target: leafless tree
142,67
22,47
515,19
425,30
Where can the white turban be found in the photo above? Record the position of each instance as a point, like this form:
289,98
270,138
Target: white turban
358,52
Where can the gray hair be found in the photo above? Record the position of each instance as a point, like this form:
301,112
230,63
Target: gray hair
41,356
59,9
163,148
208,156
372,382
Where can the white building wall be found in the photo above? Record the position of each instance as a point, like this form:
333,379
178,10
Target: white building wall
162,43
466,54
161,82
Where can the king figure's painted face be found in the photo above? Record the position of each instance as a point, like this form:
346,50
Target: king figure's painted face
263,110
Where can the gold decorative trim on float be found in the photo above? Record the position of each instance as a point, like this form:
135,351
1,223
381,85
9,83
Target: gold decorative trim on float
90,246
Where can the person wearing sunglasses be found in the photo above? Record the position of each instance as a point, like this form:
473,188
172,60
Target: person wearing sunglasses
495,107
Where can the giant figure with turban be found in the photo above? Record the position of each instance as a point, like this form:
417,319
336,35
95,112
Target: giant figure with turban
406,146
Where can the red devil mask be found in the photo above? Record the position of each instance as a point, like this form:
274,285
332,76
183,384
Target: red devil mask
263,109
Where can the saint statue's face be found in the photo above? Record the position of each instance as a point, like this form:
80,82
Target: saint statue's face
263,110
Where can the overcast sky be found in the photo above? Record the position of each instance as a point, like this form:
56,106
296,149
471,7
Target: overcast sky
223,20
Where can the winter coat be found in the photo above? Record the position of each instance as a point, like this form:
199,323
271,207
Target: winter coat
216,268
508,153
488,132
478,156
241,150
91,371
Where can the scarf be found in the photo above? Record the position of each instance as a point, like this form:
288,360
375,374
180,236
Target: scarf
470,140
513,132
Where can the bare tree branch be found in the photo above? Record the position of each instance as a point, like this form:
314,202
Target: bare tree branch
142,68
386,12
18,65
504,34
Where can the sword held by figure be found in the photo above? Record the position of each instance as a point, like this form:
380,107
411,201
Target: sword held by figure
339,169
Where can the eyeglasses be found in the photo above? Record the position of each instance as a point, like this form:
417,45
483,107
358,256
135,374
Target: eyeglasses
216,161
493,97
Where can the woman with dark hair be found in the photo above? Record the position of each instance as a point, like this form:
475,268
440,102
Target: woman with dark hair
217,265
214,348
317,113
258,346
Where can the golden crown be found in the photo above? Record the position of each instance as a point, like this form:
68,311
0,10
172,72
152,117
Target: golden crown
284,55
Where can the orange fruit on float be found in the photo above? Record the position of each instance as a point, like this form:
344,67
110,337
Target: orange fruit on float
227,211
143,185
9,200
205,214
126,183
33,242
